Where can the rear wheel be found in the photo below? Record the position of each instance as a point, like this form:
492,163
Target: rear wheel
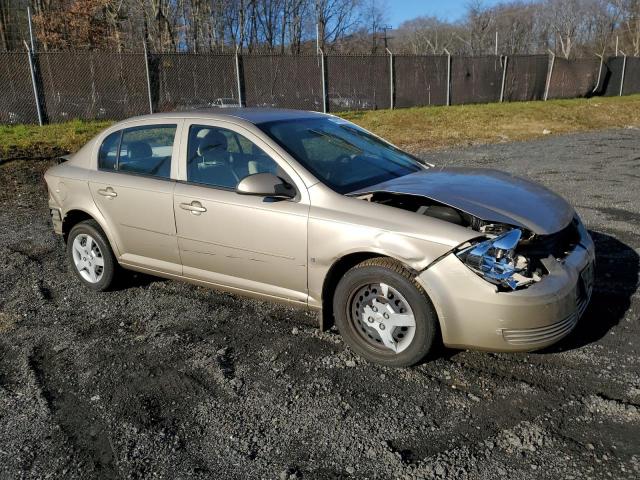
90,255
384,315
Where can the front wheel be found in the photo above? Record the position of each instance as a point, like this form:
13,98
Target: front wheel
384,315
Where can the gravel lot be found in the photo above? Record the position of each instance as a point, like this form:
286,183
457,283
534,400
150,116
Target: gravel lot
164,380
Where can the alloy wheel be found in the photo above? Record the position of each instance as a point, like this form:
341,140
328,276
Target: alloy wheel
87,258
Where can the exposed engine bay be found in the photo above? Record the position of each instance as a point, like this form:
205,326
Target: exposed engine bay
509,256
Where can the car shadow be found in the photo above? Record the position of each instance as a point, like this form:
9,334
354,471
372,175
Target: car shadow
616,280
131,279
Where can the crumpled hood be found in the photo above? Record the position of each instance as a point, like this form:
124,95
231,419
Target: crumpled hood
490,195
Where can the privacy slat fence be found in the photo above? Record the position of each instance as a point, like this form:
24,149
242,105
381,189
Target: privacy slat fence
574,78
526,77
476,79
17,99
281,81
91,85
95,85
358,82
420,80
182,81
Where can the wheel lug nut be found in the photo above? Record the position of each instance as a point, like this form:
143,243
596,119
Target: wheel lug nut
382,327
370,319
375,309
386,315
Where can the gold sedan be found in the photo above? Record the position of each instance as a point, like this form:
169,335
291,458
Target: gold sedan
312,210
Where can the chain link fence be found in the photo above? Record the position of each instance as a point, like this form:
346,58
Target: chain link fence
282,81
476,79
631,76
358,82
100,85
92,85
17,100
574,78
526,78
612,76
420,80
181,81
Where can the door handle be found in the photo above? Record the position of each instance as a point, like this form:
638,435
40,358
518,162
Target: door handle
194,207
107,192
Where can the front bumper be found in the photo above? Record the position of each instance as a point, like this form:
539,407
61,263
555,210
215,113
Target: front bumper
474,314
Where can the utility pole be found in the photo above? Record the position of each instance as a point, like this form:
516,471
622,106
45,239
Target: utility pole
496,51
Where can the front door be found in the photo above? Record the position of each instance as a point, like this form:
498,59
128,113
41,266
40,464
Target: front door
133,189
249,243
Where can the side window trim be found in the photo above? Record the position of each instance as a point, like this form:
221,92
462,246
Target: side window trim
117,165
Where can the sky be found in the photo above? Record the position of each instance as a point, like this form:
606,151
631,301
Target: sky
451,10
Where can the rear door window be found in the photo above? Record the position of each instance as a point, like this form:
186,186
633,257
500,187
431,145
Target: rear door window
147,150
144,150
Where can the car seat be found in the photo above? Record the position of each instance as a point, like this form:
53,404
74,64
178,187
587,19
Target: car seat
212,163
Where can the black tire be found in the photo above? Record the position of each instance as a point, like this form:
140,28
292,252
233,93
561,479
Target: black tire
395,275
91,227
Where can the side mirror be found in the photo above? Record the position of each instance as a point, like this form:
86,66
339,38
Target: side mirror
265,185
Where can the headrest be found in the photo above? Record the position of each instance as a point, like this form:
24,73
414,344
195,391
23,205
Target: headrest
212,140
139,150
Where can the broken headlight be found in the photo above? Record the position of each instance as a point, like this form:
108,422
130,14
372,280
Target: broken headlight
496,260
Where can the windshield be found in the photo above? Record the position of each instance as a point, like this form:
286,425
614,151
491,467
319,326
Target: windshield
340,154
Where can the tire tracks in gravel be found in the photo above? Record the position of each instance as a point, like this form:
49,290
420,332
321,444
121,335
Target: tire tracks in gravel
546,404
80,422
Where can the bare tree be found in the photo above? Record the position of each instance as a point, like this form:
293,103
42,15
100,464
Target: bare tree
628,15
481,28
335,18
429,35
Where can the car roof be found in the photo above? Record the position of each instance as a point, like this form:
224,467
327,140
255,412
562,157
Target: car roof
252,115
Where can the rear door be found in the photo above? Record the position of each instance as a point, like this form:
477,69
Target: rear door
249,243
133,188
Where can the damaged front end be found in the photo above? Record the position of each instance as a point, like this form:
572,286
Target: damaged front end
508,256
496,261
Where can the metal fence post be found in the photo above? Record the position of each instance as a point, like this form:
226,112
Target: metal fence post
448,76
32,66
392,86
595,89
549,73
624,67
239,77
31,39
324,81
146,66
34,83
504,77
